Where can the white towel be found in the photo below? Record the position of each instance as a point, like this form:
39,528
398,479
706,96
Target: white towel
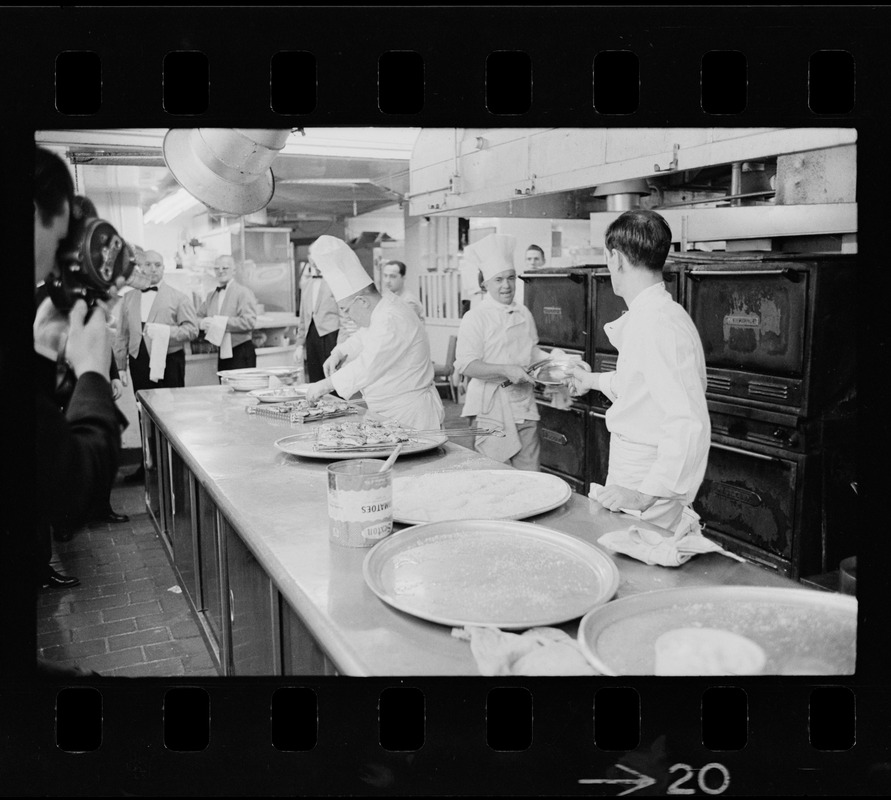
497,413
216,334
654,548
157,338
537,651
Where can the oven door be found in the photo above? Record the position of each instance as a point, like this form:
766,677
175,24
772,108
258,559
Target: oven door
559,303
749,501
562,433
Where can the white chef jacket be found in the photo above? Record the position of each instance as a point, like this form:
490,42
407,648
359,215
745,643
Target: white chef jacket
659,409
498,334
390,364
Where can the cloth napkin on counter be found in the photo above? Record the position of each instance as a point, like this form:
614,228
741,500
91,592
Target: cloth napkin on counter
653,548
216,334
538,651
159,337
497,414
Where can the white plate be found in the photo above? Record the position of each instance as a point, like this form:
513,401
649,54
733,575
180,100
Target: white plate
802,631
513,575
476,494
281,395
301,444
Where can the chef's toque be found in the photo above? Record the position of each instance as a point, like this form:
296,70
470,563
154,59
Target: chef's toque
339,265
492,255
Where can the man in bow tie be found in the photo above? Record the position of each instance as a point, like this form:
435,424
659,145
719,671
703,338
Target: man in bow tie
497,343
230,311
157,316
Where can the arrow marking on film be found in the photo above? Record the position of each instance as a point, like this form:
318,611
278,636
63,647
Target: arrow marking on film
639,780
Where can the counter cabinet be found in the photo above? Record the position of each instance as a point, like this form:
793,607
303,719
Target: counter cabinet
246,529
248,626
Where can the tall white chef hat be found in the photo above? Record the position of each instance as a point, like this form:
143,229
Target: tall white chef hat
339,266
492,255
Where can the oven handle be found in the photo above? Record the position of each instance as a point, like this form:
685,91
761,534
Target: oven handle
745,452
573,276
790,274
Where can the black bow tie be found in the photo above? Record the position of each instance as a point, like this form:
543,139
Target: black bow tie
219,288
150,289
316,276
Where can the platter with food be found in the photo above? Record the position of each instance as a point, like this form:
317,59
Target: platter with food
365,439
512,575
723,630
304,410
476,494
279,395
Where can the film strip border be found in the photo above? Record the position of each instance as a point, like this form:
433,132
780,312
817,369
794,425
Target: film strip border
294,83
446,67
480,736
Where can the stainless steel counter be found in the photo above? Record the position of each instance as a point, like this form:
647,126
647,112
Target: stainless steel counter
278,505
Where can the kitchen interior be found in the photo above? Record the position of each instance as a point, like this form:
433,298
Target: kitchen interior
764,252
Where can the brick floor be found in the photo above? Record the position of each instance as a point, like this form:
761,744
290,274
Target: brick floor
122,620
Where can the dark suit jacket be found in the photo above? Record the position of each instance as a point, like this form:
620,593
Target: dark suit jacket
77,451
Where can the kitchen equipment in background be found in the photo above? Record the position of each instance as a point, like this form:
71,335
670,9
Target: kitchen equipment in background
778,330
622,195
512,575
563,435
227,169
560,303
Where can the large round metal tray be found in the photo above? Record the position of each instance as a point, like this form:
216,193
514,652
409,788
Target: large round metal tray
513,575
802,631
463,494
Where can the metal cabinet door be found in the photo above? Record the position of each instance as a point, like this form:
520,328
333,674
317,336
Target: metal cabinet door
150,439
253,611
182,523
301,655
209,598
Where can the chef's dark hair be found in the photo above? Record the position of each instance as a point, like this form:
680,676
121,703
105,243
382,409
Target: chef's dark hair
53,186
535,247
398,264
643,237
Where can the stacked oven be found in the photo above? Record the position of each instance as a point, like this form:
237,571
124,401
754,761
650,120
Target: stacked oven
778,331
562,302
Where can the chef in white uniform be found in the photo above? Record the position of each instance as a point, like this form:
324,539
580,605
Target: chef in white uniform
658,421
498,342
388,358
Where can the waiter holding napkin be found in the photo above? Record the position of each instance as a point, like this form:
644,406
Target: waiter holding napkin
498,342
388,358
228,316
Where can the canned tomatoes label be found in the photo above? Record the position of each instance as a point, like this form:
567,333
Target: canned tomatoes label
360,503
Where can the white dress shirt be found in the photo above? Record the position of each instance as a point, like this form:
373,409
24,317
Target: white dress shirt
146,301
496,333
390,365
658,394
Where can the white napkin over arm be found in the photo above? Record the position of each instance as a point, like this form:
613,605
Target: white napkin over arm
216,334
159,337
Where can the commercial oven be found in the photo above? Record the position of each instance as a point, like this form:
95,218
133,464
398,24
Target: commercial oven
563,435
560,301
778,330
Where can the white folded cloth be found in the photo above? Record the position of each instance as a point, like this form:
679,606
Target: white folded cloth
158,337
654,548
216,334
537,651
